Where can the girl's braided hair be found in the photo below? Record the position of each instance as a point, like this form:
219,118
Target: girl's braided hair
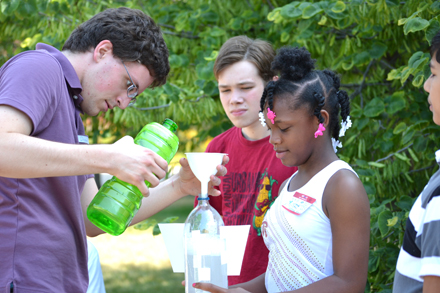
306,87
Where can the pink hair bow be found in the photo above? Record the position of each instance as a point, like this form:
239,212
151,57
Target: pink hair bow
271,115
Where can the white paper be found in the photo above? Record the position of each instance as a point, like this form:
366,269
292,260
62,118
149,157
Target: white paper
236,238
173,237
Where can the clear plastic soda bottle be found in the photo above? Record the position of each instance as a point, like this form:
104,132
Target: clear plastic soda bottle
116,203
205,247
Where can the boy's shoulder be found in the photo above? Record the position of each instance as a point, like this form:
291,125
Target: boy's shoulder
231,132
223,141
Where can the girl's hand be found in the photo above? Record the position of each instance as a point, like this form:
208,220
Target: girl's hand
189,184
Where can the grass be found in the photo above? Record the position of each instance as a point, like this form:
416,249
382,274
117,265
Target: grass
137,261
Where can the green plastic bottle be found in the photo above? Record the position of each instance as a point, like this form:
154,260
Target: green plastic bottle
116,202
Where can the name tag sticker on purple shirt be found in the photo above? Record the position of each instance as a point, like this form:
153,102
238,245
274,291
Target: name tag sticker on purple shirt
298,203
83,139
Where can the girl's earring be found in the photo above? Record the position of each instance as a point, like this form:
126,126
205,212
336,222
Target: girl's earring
320,130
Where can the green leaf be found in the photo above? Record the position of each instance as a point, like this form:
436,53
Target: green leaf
204,71
156,230
170,219
418,79
373,263
420,144
235,23
9,6
370,189
361,58
361,123
405,203
374,108
415,57
210,88
397,102
311,11
290,11
117,114
348,65
284,37
402,21
175,61
274,14
356,113
435,6
399,128
394,74
392,222
413,155
378,50
408,136
323,20
365,172
145,225
383,222
339,7
217,32
386,146
212,57
401,157
408,178
406,72
414,25
432,30
376,164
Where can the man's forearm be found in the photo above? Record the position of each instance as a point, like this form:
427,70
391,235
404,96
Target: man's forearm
23,156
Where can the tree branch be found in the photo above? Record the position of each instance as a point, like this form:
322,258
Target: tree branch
270,5
359,89
167,105
183,34
390,155
352,85
422,169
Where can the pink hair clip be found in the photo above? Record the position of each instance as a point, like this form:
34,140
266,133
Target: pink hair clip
318,132
271,115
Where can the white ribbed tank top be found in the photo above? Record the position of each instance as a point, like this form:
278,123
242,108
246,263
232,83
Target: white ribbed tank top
300,246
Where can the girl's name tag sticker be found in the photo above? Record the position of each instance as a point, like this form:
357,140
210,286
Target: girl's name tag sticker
299,203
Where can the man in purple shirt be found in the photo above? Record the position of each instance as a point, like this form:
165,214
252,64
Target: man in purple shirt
44,157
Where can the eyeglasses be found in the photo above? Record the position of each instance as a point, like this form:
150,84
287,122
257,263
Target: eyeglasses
132,90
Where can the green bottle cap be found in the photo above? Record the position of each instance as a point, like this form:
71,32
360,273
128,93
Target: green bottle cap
170,124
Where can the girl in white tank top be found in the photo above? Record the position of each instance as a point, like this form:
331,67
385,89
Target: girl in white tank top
317,231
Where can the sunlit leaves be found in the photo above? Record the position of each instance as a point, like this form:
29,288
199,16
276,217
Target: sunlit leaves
414,25
374,108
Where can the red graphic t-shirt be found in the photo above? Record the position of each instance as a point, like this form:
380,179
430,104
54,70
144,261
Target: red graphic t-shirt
248,190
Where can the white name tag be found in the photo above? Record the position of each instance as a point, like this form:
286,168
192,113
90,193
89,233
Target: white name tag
298,203
83,139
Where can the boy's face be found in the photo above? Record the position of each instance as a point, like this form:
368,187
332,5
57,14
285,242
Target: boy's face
105,84
432,86
241,88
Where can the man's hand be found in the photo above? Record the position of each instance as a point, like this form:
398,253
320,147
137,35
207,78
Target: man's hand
134,164
189,184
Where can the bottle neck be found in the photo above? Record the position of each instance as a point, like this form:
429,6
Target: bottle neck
170,125
203,201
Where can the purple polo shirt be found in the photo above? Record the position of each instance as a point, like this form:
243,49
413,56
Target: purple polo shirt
43,244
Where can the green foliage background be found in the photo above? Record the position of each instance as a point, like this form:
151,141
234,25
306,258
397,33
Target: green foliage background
380,48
